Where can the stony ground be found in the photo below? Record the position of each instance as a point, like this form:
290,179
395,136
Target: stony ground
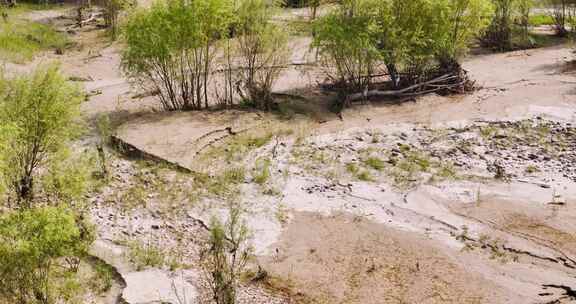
463,199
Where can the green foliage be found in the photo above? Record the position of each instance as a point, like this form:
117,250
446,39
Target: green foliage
365,176
347,39
408,37
524,8
171,47
262,171
226,255
465,20
112,9
262,49
145,255
103,278
352,168
42,111
67,178
564,13
415,32
374,163
541,19
235,175
20,40
499,34
34,244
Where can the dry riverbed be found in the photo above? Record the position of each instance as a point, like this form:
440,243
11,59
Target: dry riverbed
462,199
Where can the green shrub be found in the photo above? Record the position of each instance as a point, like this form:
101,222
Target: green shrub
564,12
34,245
42,109
145,255
374,163
226,254
170,49
412,39
262,48
499,34
346,38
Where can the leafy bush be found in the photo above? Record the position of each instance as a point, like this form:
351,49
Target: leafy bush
463,21
42,109
226,255
499,33
416,40
146,255
417,34
171,47
524,8
347,40
68,177
564,14
34,245
112,9
262,50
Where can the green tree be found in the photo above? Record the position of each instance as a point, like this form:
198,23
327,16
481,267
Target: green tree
524,8
346,39
500,32
462,21
112,10
563,12
262,48
42,111
415,40
34,247
170,49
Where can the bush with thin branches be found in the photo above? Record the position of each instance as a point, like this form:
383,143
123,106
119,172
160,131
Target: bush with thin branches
416,41
226,256
41,111
262,48
170,49
564,14
346,38
39,250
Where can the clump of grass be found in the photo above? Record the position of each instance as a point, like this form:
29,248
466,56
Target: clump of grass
365,176
446,171
235,175
145,255
220,185
487,132
530,169
352,168
135,196
262,171
102,279
20,41
374,163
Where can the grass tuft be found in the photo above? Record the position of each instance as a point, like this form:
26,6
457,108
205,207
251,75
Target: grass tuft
374,163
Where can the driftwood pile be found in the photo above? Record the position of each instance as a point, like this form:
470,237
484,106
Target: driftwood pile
455,82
